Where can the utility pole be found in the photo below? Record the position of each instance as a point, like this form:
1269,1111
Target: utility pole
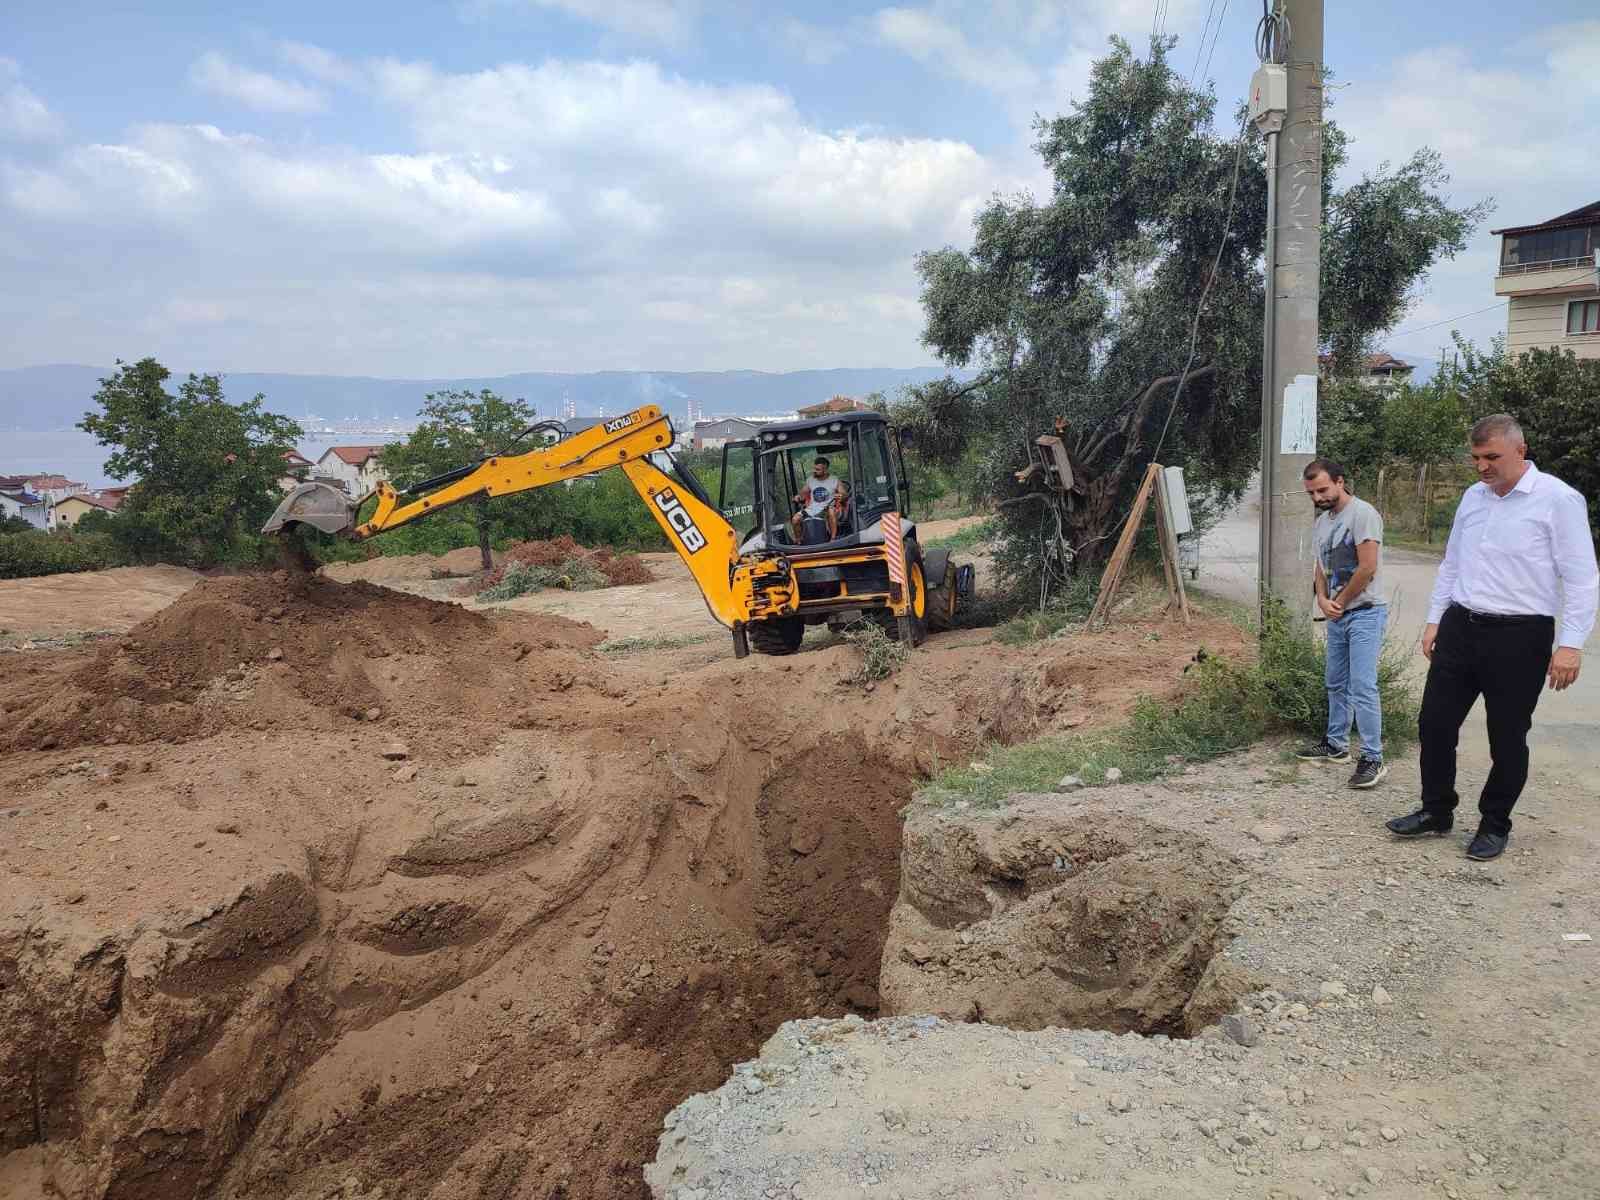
1286,101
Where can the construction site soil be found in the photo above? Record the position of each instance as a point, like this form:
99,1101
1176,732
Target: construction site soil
316,889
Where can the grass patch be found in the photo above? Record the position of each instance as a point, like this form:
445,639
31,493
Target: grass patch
638,645
966,537
881,655
574,575
1226,706
1067,610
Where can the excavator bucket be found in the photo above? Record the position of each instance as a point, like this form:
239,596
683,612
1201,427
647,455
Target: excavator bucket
319,505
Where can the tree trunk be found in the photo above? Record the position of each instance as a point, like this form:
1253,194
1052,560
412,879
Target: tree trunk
482,505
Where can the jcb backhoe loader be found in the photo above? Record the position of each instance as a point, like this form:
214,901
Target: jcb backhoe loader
783,572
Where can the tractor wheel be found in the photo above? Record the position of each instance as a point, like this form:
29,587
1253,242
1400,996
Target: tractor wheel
779,635
941,576
912,628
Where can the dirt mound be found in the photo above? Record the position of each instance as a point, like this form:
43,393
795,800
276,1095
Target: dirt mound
281,961
1057,914
255,649
619,569
462,563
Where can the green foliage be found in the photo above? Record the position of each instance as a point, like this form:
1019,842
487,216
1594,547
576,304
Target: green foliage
1379,235
1080,306
574,575
1367,429
881,656
1225,706
10,524
36,552
461,428
207,470
1554,395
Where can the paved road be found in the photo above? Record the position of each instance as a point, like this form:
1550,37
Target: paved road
1566,727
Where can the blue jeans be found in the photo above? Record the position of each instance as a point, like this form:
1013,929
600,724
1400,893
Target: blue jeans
1355,642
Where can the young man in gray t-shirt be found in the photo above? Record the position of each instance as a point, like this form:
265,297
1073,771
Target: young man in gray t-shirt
1348,535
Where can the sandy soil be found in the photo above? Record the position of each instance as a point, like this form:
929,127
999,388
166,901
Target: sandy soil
319,889
87,602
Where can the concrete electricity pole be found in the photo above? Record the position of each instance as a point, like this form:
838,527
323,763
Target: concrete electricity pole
1286,100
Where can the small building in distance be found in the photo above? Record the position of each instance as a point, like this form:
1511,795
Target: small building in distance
296,467
1547,272
69,510
1376,370
713,435
49,486
355,469
17,501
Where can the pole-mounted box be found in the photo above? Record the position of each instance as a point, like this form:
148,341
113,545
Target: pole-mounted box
1269,97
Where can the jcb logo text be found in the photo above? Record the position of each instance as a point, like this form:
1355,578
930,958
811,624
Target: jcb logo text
678,517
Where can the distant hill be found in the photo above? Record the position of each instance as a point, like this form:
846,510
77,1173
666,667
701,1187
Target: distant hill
55,397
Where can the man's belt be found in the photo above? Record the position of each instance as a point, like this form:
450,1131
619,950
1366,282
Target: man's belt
1481,618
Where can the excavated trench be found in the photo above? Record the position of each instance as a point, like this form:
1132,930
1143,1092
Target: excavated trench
497,982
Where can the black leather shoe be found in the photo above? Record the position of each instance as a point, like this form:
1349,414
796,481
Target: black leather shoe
1486,845
1420,822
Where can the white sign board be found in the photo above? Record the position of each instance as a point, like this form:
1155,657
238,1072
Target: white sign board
1176,497
1300,416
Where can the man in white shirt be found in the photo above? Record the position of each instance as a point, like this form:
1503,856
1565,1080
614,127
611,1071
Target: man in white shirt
815,496
1520,548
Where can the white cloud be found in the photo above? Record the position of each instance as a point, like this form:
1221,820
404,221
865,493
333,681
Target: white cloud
930,38
216,74
23,116
320,64
814,44
668,22
558,216
1516,127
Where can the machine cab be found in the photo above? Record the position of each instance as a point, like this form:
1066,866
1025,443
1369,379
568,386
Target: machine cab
821,484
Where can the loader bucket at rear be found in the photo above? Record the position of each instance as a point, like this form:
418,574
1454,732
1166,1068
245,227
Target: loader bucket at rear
318,505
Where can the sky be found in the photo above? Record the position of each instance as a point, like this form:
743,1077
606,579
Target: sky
481,187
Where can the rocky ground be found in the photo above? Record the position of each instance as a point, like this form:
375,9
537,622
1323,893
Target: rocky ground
1408,1023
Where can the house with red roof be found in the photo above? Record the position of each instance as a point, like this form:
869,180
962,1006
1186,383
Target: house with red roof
356,469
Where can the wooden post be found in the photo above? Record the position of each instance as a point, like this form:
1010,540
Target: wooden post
1112,575
1382,511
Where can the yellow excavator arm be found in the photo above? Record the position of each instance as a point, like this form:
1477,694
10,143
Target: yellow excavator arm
737,590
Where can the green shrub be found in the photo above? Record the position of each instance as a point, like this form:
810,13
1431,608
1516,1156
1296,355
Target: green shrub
1225,706
39,553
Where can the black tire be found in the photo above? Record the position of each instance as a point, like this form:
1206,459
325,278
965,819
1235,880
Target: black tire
780,635
941,577
911,627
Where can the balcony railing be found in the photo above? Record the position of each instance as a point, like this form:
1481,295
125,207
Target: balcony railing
1555,264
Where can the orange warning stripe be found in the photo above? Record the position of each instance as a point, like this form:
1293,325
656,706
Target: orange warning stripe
894,547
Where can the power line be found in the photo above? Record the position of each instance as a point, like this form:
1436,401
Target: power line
1215,38
1200,48
1490,308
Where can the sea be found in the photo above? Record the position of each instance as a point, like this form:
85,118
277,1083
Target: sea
78,456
